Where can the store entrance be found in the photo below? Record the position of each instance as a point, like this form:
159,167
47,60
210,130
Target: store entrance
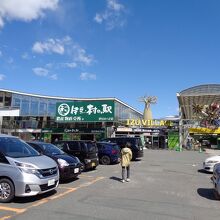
56,137
89,137
155,142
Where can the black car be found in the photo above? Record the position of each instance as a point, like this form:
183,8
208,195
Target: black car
108,153
136,145
85,150
69,166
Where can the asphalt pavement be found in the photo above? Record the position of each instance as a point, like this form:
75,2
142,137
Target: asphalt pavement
165,185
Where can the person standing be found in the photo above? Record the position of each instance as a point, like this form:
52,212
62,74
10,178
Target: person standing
126,155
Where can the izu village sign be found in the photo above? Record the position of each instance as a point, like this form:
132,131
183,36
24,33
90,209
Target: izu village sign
86,111
148,123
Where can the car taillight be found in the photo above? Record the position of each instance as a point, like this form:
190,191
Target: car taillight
114,151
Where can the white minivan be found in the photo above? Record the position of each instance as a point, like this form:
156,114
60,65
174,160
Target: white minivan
23,171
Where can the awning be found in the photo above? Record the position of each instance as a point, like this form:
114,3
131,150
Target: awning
198,95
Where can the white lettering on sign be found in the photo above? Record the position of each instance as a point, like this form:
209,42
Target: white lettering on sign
91,109
106,108
74,110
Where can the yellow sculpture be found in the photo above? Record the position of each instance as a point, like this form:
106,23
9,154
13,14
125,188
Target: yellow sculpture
148,100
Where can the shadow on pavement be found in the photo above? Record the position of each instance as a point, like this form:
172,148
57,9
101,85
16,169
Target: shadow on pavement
115,178
137,159
66,181
204,171
207,193
34,198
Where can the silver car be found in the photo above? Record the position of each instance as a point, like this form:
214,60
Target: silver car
23,171
216,178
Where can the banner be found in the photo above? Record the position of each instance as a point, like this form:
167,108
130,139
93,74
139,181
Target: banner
85,111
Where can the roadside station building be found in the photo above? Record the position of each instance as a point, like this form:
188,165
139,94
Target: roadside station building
31,116
199,109
156,133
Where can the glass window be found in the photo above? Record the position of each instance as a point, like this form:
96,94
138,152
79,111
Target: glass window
51,108
43,108
34,107
61,145
1,96
8,99
74,146
25,107
91,147
50,149
13,147
16,102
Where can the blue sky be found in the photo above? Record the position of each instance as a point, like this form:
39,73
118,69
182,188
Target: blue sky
110,48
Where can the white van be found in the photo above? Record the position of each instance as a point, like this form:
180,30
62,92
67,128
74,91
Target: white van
23,171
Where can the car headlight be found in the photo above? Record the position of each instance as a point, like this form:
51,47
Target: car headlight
88,161
28,168
62,163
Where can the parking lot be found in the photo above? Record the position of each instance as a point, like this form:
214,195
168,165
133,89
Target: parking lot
164,185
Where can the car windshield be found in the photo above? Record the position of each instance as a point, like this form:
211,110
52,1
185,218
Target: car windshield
138,142
51,149
91,147
16,148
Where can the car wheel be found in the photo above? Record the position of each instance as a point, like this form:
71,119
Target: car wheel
7,190
105,160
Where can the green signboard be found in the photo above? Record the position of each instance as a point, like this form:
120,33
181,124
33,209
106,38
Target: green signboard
85,111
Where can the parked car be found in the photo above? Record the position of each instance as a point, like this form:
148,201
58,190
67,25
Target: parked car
69,166
108,153
216,178
136,145
210,162
23,171
86,151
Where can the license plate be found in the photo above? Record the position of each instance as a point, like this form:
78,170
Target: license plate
93,164
76,170
51,182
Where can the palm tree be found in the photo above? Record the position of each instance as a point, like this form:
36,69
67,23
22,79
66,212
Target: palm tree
197,109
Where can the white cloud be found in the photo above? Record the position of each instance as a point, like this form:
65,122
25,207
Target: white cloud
49,46
39,71
70,65
49,65
114,5
0,53
53,77
112,16
25,10
42,72
87,76
65,46
2,77
25,56
82,57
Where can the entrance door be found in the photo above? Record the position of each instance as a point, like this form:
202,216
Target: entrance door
155,142
89,137
148,141
56,137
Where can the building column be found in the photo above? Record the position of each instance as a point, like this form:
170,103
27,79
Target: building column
180,130
1,119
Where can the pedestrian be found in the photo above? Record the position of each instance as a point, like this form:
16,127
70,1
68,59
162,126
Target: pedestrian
126,155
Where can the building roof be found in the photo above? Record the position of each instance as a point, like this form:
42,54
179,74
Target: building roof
197,95
69,98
